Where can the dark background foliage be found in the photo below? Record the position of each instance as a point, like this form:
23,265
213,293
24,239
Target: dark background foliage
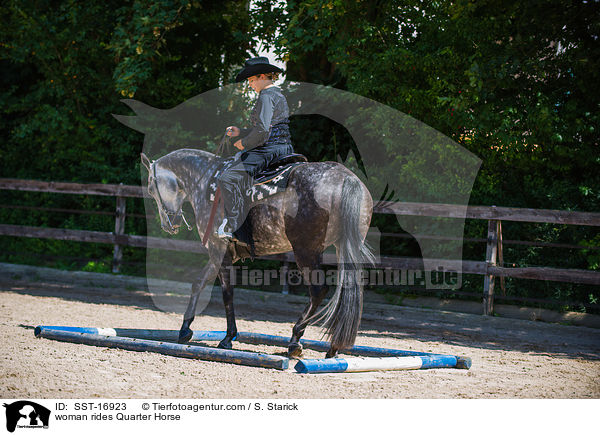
516,83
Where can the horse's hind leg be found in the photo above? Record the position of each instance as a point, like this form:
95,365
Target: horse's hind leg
207,275
317,292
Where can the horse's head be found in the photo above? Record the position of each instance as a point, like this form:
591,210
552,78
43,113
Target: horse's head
165,188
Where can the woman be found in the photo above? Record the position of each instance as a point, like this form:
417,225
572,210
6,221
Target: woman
268,139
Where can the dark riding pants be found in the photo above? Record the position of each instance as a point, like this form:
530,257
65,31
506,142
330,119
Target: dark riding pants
240,177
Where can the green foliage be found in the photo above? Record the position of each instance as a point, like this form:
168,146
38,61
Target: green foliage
516,83
64,66
95,266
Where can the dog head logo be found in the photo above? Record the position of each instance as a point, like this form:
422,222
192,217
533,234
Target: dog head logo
26,414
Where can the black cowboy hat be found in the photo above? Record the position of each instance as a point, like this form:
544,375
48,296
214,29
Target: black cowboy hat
255,66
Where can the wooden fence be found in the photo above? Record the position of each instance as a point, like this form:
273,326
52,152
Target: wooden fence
491,268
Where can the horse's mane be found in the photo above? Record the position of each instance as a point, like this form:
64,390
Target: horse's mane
188,158
188,163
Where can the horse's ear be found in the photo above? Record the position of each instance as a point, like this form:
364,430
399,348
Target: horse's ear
145,161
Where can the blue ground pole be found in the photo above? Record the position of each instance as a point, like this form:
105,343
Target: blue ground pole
420,360
87,336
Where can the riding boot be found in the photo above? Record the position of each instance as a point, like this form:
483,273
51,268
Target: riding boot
232,183
233,206
224,231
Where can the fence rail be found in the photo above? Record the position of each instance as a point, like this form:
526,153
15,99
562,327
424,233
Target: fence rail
491,268
118,190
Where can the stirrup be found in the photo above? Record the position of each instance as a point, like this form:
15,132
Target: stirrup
223,233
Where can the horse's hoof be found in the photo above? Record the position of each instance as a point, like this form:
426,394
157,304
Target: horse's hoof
294,350
225,344
185,335
331,354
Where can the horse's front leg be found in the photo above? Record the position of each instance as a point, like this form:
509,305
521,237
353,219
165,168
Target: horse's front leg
207,275
225,277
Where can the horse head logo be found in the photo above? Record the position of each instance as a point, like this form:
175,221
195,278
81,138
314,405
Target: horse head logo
26,413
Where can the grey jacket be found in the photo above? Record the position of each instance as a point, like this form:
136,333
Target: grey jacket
271,109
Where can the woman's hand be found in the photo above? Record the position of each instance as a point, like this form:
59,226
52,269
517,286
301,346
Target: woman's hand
232,131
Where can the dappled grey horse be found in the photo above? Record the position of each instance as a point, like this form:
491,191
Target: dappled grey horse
324,204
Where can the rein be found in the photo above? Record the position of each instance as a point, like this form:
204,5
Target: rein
162,204
223,147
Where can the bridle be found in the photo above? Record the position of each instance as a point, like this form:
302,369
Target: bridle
164,209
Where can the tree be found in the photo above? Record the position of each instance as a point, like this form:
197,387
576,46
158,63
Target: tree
64,66
515,82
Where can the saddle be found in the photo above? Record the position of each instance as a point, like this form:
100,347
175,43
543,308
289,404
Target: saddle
277,166
270,181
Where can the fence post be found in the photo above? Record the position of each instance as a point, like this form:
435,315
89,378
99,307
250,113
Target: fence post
490,260
501,257
119,230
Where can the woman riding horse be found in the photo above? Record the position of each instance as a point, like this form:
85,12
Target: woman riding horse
324,204
267,140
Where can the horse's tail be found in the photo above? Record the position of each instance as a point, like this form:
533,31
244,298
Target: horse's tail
341,316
